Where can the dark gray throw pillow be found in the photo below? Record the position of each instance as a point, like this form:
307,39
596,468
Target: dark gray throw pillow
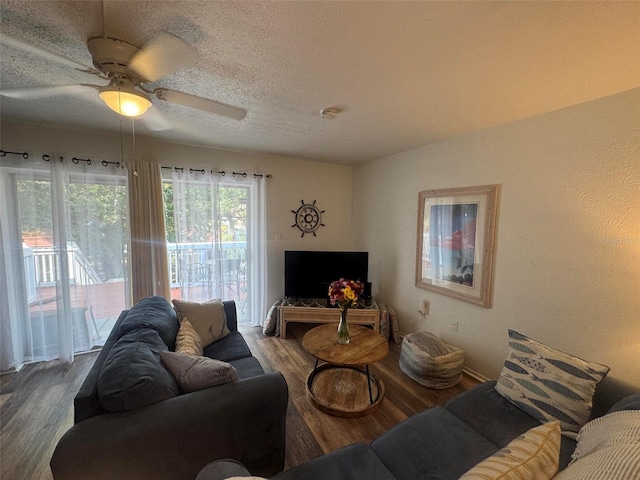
133,375
155,313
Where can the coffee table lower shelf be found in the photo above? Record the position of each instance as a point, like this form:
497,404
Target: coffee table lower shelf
343,391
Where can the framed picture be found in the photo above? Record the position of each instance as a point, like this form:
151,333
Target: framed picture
456,241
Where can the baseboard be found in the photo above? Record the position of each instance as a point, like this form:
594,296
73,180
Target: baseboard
475,375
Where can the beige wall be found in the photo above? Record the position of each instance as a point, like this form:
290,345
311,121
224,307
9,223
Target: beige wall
568,246
568,250
293,180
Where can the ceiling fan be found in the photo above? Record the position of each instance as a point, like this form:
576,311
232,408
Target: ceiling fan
127,69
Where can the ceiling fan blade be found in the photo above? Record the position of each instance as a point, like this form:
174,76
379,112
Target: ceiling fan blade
25,47
43,92
154,120
200,103
161,56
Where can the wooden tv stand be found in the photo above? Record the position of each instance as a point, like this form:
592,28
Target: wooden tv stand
316,311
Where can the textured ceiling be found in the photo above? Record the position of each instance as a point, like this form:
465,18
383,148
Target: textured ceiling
403,74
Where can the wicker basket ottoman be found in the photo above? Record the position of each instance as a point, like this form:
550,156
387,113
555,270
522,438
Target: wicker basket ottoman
431,362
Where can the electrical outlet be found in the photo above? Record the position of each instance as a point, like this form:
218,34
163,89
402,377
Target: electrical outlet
454,326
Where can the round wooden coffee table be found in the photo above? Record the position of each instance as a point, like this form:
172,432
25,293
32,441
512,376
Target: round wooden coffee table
343,385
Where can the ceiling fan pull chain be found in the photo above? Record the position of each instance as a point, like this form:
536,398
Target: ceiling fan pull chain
104,18
121,144
133,134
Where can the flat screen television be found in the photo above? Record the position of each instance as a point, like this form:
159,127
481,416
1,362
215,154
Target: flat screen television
307,274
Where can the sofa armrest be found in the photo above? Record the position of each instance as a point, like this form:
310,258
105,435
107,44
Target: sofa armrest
174,439
231,313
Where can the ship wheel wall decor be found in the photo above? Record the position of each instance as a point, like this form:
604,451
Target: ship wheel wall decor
308,218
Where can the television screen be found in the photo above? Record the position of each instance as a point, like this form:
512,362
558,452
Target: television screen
307,274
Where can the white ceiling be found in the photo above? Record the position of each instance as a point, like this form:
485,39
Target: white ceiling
403,74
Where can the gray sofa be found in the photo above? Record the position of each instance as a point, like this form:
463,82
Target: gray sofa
440,443
159,433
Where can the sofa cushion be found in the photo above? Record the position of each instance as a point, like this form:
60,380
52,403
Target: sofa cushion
86,403
188,341
608,449
132,375
155,313
356,461
247,367
484,409
531,456
433,444
193,373
207,318
631,402
231,347
549,384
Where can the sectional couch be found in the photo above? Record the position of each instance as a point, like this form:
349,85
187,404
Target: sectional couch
441,443
505,429
132,421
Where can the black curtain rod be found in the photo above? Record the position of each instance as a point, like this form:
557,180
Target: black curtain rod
105,163
221,172
4,153
47,158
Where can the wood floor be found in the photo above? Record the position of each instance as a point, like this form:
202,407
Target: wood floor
36,408
36,405
310,432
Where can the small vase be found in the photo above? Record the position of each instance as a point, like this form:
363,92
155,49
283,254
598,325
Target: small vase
343,328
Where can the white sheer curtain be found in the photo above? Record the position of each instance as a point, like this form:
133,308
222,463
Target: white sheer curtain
216,239
62,266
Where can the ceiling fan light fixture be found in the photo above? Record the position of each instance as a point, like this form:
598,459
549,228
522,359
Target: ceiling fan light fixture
125,100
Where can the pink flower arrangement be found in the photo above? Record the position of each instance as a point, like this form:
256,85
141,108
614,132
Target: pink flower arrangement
345,293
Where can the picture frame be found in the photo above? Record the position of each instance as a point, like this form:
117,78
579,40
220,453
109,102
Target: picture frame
456,242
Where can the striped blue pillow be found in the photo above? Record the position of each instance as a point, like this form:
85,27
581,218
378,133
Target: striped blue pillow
548,384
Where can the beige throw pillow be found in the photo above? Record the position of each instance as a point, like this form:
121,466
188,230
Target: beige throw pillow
534,455
188,341
208,319
271,320
197,373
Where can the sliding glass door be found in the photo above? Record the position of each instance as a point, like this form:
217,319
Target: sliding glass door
214,240
63,264
62,268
